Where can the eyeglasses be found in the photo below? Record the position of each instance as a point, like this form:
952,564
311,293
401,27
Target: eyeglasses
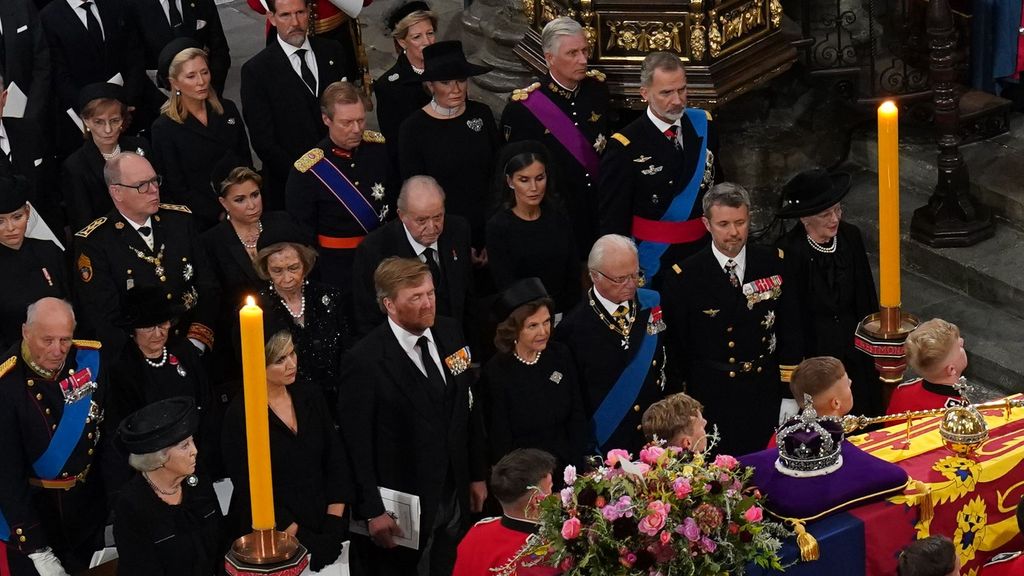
112,124
144,187
836,211
639,279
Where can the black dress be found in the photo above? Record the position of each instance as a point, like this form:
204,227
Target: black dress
36,270
155,538
397,99
189,154
310,468
321,342
86,196
836,291
460,153
536,406
545,248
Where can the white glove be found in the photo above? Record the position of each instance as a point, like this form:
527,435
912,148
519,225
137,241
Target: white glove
46,563
199,345
787,410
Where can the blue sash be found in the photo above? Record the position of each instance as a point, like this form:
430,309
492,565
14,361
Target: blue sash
347,194
5,528
682,205
72,423
625,390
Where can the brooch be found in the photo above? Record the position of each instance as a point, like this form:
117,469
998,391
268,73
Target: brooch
655,324
393,77
177,365
187,272
762,289
555,377
231,121
475,124
459,361
326,300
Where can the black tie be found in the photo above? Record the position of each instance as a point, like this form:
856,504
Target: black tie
92,24
304,71
3,55
172,9
433,374
435,270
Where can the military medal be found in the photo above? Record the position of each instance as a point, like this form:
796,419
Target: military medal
655,323
377,191
762,289
459,361
158,266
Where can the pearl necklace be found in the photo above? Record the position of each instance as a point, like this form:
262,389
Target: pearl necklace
158,489
117,150
163,360
302,307
824,249
527,362
251,245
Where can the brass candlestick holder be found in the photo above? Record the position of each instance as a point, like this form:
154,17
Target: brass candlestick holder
266,552
881,336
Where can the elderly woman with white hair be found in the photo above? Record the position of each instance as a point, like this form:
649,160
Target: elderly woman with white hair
167,520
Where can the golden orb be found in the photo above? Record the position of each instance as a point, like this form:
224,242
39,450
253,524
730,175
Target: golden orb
963,430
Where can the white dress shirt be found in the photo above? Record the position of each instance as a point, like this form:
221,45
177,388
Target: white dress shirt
293,58
419,248
407,340
76,7
740,260
165,5
149,222
608,305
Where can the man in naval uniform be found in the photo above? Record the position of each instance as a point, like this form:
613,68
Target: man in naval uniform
52,503
567,111
614,336
656,170
142,242
344,188
732,328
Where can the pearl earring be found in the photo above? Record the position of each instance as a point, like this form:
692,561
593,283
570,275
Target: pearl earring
177,92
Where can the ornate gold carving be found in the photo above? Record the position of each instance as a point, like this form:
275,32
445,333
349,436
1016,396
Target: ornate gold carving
714,36
775,9
528,10
548,12
696,6
697,37
586,19
644,36
737,23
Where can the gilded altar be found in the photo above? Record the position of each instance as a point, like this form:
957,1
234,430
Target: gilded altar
729,46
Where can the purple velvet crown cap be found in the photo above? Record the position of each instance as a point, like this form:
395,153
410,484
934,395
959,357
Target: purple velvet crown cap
809,445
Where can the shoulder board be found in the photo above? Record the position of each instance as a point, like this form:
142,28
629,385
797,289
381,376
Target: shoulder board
520,94
1003,557
176,208
488,520
307,160
622,139
708,112
8,365
596,75
90,344
373,136
677,269
782,254
84,232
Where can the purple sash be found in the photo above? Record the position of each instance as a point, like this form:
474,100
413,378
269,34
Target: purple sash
561,127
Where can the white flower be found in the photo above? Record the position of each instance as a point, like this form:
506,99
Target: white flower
569,475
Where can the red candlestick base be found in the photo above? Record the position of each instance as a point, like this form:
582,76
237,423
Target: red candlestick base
881,336
266,552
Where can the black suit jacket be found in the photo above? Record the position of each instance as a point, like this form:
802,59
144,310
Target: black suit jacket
30,159
84,191
398,431
27,55
282,114
200,20
188,155
454,296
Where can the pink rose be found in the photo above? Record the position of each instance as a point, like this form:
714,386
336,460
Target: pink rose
689,529
753,514
665,536
653,522
566,495
569,475
571,528
682,488
726,461
708,545
615,455
659,507
650,454
627,559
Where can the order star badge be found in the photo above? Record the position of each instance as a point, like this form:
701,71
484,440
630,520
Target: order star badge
600,143
378,191
769,320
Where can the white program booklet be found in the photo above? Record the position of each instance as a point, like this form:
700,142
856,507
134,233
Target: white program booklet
405,509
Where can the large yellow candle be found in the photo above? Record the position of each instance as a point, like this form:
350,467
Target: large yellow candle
888,205
257,428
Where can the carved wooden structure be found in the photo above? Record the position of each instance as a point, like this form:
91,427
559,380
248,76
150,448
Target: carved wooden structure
728,46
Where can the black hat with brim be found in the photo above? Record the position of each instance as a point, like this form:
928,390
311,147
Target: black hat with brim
447,61
172,49
159,425
522,292
404,10
813,191
146,306
13,193
100,90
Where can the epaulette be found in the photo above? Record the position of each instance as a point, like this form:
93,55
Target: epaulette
677,269
307,160
373,136
708,112
622,139
176,208
520,94
8,365
488,520
84,232
90,344
596,75
786,372
782,254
